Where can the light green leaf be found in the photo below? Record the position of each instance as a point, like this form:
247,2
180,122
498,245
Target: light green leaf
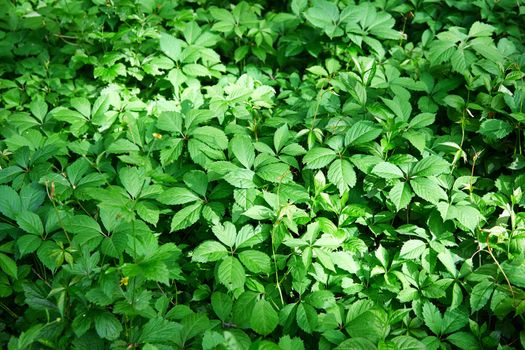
259,212
464,341
133,180
171,46
213,137
226,233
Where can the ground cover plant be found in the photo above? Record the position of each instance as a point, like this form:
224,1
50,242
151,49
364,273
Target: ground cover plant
262,174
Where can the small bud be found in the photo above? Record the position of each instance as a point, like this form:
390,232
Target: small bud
157,135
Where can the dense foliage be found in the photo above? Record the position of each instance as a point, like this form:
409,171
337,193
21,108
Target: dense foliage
262,175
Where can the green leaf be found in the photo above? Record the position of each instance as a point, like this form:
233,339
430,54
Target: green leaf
428,189
186,217
321,299
231,273
361,132
464,341
400,195
177,196
432,318
318,157
28,244
222,305
226,233
412,249
30,222
197,181
243,150
259,212
158,330
306,317
264,318
342,174
10,204
133,180
107,326
8,265
171,46
255,261
280,137
387,171
430,166
357,343
212,137
495,129
240,178
480,295
408,343
209,251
